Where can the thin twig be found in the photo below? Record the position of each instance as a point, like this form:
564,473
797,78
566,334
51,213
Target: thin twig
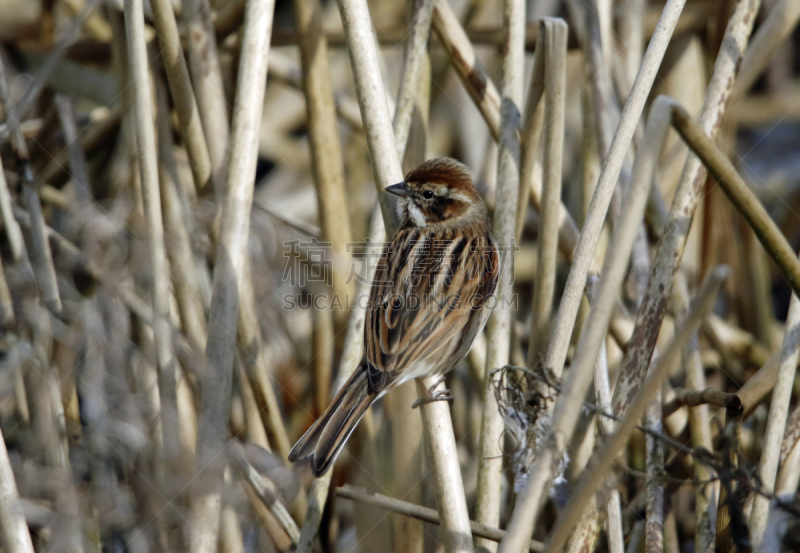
420,513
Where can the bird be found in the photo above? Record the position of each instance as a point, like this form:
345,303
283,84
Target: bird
431,295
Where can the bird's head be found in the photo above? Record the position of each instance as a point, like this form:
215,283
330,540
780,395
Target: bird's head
439,191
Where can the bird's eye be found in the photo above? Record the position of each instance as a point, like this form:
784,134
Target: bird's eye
428,194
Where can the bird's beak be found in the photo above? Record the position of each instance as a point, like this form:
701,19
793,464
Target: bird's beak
398,189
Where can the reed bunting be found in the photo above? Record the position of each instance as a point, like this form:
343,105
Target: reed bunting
429,300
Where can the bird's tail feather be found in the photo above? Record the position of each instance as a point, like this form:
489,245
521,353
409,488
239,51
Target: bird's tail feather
322,442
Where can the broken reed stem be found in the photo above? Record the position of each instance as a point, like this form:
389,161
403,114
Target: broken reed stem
415,51
180,86
504,229
326,152
670,251
601,461
229,269
555,79
564,415
208,88
265,490
420,513
530,134
41,257
776,422
693,398
771,33
734,186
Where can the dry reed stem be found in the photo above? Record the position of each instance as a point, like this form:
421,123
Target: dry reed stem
229,270
16,536
208,87
602,386
326,152
10,225
699,428
564,414
181,88
265,491
41,257
601,461
693,398
77,161
407,435
734,186
420,513
772,32
670,251
178,234
776,422
565,319
530,134
373,103
555,78
504,229
462,56
164,409
415,52
654,525
486,97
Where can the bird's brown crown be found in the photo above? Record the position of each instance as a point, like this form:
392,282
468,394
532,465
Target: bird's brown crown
441,191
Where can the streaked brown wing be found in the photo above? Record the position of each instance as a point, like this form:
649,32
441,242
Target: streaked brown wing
427,289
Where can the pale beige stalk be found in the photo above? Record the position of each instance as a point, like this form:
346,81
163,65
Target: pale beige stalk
504,230
230,269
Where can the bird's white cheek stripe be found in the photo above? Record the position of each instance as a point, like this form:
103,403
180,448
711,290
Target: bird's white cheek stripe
416,215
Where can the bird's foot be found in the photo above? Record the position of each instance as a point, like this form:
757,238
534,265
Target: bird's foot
430,395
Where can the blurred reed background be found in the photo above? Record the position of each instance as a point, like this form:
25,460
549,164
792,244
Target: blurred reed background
186,192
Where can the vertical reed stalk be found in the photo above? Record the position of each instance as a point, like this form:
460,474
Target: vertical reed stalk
229,271
504,229
776,423
555,43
